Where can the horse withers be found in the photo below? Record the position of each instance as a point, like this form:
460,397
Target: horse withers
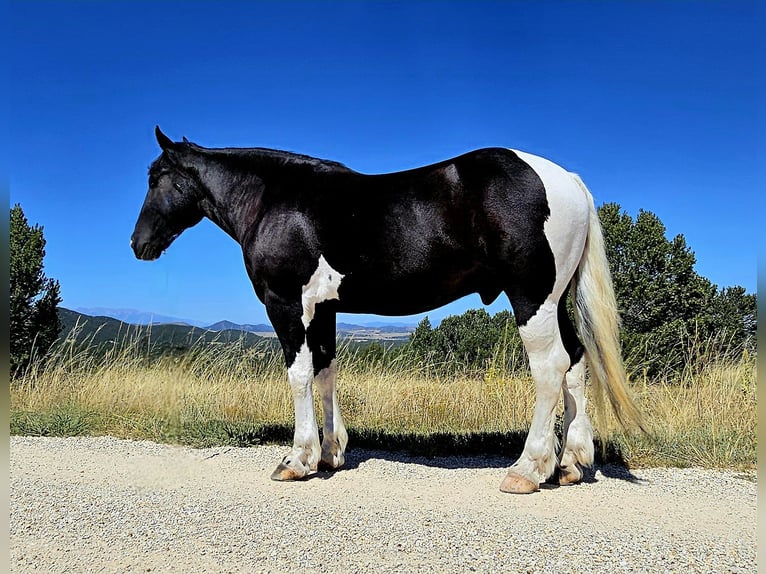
319,238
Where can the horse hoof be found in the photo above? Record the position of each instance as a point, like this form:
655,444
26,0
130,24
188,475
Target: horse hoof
517,484
570,475
285,473
330,461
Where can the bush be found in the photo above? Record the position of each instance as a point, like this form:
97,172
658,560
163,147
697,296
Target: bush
471,342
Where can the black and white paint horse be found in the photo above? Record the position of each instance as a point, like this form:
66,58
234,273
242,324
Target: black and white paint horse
319,238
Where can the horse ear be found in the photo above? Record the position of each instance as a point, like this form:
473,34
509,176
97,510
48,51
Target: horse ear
185,140
165,142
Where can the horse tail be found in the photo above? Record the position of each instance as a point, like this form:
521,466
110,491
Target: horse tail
598,323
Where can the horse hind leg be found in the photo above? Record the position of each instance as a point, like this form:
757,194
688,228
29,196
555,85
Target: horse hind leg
548,361
577,440
577,451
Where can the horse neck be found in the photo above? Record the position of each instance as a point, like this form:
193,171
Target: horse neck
237,180
232,201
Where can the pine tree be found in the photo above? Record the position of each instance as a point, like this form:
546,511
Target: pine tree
663,301
34,298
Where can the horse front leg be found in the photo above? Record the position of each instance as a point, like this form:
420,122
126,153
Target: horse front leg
321,338
334,434
305,454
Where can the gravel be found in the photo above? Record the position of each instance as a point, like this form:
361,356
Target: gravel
108,505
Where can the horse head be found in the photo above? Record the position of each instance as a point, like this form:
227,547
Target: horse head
172,203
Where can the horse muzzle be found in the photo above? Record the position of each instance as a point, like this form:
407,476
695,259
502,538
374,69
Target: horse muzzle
149,248
144,250
151,235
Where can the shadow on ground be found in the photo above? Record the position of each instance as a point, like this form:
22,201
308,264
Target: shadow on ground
472,450
443,450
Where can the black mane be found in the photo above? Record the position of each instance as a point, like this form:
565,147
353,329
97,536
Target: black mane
274,156
277,156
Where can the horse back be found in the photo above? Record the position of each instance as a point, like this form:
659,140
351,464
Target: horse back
414,239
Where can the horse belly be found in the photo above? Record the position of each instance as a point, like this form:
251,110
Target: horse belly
385,294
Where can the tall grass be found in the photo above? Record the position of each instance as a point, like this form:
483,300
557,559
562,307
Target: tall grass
706,417
234,394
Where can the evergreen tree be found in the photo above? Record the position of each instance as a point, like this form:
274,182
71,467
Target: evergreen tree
654,278
663,301
466,342
422,340
34,298
732,312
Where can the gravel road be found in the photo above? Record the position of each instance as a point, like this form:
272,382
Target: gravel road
107,505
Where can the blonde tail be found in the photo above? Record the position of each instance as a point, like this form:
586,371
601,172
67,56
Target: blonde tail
598,323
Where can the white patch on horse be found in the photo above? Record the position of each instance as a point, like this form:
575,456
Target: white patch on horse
568,204
306,449
578,448
548,361
322,285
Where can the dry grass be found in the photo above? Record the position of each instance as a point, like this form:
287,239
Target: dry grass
229,393
706,420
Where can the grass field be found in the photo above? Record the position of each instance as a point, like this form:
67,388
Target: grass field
234,394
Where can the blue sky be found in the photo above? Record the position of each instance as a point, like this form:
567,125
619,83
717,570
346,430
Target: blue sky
655,104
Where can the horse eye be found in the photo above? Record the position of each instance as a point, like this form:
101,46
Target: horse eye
178,186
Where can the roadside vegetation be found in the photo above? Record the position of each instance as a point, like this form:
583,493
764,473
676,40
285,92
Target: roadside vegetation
462,387
236,394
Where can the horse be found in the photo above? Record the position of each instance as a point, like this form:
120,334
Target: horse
319,238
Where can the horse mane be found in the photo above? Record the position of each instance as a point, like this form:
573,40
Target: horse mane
277,156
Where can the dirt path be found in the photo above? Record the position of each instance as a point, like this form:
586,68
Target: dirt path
107,505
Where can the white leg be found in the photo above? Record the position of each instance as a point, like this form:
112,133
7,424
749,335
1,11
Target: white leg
578,432
334,435
304,456
548,361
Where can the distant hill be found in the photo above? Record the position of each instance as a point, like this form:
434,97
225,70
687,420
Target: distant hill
104,328
228,325
101,329
394,333
135,317
382,332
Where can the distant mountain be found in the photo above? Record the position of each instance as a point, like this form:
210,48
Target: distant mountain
103,329
228,325
366,333
377,327
383,332
136,317
387,325
113,322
